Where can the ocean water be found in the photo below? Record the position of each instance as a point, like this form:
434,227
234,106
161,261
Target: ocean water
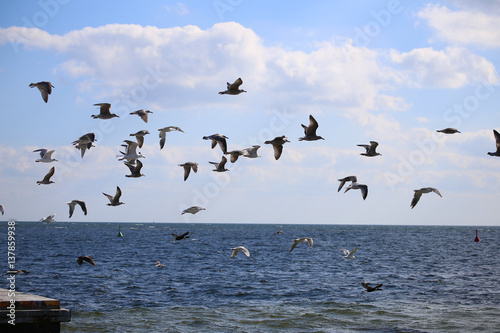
435,279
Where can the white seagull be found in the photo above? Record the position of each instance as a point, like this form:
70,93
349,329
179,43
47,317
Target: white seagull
164,131
353,186
48,219
218,139
192,210
251,152
187,168
418,194
238,249
45,88
349,254
234,88
72,205
301,240
45,155
131,154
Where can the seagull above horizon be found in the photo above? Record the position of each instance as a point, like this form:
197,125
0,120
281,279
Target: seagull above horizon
497,141
45,88
88,259
251,152
114,200
85,142
181,237
192,210
310,131
448,130
278,143
353,186
238,249
139,136
45,155
75,202
142,113
309,240
164,131
187,168
418,194
218,139
220,166
48,219
349,254
131,154
46,180
135,170
370,149
369,288
234,88
104,112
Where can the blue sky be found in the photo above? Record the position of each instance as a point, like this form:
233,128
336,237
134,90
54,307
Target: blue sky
387,71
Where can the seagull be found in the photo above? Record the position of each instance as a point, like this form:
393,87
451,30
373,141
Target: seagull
104,111
370,288
278,143
142,113
349,254
84,142
46,180
140,137
448,130
187,168
251,152
17,271
114,201
218,139
301,240
418,194
48,219
238,249
220,166
346,179
192,210
233,89
88,259
45,155
354,185
235,154
370,149
2,209
278,232
181,237
159,265
131,155
163,133
72,205
310,131
135,170
45,88
497,140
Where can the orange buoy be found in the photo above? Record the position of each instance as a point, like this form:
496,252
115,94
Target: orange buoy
477,238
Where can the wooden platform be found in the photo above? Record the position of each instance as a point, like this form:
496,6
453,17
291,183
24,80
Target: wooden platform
32,313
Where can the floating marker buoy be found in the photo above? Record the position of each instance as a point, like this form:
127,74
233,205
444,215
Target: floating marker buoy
477,238
120,231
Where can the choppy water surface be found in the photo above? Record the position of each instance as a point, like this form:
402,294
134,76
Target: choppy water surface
435,279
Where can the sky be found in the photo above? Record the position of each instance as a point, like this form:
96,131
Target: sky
387,71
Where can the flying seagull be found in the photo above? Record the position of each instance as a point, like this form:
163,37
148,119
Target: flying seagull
349,254
181,237
135,170
140,137
72,205
278,232
131,154
187,168
104,111
220,166
497,140
163,133
353,186
238,249
310,131
278,143
114,200
45,155
142,113
45,88
301,240
88,259
48,219
234,154
251,152
418,194
85,142
192,210
370,288
218,139
370,149
233,89
448,130
46,180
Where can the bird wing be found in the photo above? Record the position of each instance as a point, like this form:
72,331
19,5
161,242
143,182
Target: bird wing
310,241
352,252
90,260
364,190
48,154
118,194
130,166
365,285
71,208
45,89
367,147
416,198
222,143
223,162
435,190
42,151
245,251
236,84
185,234
131,147
49,174
497,139
187,170
313,126
163,137
138,167
295,242
140,140
82,205
235,252
110,197
195,167
278,149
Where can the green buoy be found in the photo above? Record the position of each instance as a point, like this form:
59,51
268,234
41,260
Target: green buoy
120,231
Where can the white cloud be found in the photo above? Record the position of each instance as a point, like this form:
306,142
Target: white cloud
179,8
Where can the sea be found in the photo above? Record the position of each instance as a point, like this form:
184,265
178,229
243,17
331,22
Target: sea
434,278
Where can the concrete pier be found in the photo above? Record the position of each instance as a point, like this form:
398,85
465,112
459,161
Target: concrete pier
32,313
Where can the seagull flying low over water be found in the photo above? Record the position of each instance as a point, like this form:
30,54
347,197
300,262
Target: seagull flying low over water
278,232
104,112
418,194
370,149
369,288
448,130
131,154
46,180
497,140
220,166
354,185
277,143
251,152
349,254
142,113
48,219
135,170
238,249
163,133
45,155
234,88
218,139
88,259
72,205
309,240
84,142
192,210
45,88
310,131
114,200
181,237
140,137
187,168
